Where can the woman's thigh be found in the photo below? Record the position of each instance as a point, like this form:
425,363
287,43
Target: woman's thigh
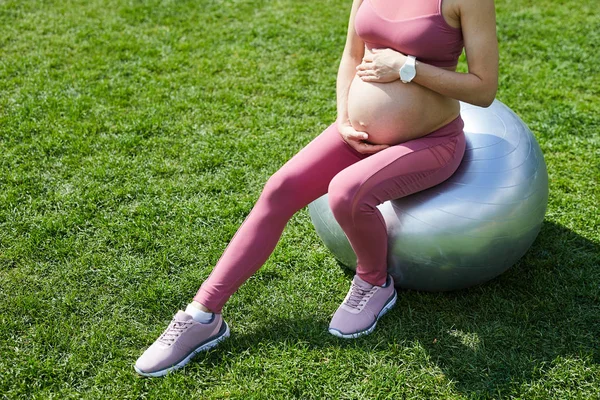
307,174
399,170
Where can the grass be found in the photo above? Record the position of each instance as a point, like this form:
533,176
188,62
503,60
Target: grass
135,137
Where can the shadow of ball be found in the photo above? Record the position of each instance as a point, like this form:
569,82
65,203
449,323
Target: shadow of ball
470,228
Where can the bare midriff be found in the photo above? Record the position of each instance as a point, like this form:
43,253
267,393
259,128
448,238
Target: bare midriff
396,112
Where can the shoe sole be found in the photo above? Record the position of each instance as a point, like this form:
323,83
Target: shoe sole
388,306
205,347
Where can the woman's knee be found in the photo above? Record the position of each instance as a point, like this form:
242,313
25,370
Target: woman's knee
341,195
281,188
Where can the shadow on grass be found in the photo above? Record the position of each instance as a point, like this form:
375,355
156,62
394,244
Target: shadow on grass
490,339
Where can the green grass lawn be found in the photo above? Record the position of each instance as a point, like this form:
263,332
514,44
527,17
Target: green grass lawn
135,137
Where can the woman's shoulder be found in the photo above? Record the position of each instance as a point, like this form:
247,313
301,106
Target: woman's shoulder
462,5
456,10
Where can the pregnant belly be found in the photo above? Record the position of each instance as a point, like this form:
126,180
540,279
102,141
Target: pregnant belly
395,112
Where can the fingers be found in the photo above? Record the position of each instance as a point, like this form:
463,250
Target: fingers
368,148
377,75
368,75
370,78
364,66
357,140
357,136
367,70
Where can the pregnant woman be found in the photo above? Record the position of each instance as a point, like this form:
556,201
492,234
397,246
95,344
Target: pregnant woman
398,131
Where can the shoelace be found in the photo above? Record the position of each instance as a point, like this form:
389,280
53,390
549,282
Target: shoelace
173,331
357,295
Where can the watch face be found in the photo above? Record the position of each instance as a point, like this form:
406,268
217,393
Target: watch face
407,73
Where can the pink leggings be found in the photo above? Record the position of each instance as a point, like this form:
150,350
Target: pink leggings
356,184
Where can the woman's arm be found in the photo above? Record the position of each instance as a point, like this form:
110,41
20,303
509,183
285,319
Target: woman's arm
478,86
354,51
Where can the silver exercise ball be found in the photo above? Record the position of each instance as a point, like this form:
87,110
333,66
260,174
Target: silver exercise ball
473,226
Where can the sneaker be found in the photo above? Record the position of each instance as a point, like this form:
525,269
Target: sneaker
363,306
182,340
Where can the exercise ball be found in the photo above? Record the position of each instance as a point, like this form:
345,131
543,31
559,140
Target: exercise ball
471,227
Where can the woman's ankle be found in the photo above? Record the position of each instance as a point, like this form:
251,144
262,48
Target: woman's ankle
200,306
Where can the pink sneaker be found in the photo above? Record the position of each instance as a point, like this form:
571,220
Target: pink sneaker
182,340
363,306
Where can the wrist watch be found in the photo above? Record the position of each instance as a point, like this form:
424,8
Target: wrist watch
408,70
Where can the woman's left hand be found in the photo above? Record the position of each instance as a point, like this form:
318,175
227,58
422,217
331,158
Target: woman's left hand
381,65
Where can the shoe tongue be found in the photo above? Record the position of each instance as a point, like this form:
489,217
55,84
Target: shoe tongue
361,284
182,316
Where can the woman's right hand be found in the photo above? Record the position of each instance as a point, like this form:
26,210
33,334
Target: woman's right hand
358,140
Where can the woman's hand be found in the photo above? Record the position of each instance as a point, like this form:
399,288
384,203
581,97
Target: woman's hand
381,65
358,140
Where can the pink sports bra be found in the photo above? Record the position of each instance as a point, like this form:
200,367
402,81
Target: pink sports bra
423,34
